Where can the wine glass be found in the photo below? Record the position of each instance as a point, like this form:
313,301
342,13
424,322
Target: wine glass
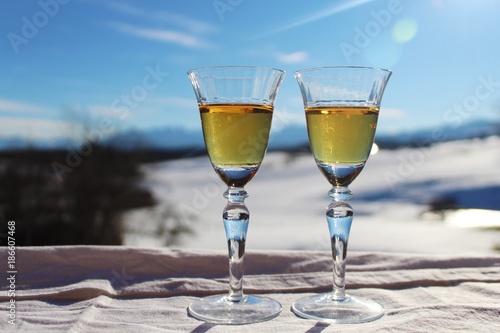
342,107
236,107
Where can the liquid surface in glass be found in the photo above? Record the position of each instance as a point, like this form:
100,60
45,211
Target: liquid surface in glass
341,135
236,137
236,134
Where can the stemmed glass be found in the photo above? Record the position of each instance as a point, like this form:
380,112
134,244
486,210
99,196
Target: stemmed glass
342,107
236,107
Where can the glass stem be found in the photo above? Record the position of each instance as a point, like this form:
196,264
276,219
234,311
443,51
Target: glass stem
236,218
339,215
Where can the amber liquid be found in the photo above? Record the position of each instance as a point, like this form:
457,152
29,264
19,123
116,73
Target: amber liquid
341,139
236,137
341,134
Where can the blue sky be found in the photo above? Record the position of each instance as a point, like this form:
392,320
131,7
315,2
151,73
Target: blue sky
114,65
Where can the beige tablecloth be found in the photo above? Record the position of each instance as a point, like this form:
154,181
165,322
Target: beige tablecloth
123,289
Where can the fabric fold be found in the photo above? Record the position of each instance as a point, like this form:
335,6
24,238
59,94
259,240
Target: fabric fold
124,289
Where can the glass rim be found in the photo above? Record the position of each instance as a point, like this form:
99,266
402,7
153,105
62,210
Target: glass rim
342,67
197,69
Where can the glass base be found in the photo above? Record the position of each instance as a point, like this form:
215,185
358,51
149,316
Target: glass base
350,310
250,309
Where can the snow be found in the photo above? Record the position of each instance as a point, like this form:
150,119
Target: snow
288,197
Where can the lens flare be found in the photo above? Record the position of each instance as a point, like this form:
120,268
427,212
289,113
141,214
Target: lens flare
404,30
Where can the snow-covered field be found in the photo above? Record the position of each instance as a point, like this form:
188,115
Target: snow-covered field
288,199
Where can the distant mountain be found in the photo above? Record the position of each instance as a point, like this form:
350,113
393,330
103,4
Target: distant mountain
158,138
177,138
429,136
289,138
295,137
13,143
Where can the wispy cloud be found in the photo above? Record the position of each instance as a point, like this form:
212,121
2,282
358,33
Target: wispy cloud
97,111
31,121
292,58
188,23
393,113
33,129
335,9
177,101
17,107
162,35
174,28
